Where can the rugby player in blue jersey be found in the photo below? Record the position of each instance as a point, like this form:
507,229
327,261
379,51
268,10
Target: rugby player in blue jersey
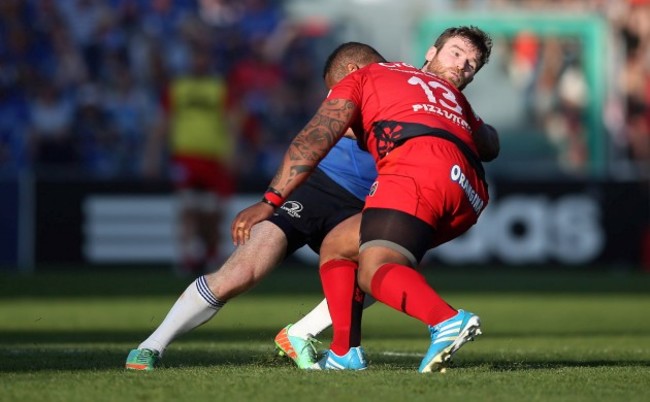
333,196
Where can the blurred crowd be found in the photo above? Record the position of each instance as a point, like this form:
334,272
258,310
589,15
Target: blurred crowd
629,119
550,73
83,83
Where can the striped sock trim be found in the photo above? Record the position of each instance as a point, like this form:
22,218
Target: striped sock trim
206,293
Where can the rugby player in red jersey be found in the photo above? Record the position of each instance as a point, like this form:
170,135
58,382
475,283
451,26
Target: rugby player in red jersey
425,139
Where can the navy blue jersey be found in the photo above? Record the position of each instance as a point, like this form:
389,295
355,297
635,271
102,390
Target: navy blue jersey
350,167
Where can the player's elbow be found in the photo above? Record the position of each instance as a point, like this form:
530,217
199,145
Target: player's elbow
491,152
489,146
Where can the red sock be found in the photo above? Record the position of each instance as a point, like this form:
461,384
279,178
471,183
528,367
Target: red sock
345,302
406,290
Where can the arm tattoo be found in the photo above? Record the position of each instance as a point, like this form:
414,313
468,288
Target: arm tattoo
313,142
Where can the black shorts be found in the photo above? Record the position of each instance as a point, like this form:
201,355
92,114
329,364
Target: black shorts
312,210
397,230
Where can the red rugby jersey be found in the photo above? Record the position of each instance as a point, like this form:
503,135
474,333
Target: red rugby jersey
397,101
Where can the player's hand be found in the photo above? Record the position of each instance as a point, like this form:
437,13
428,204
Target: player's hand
240,229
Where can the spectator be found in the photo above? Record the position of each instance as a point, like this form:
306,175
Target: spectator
260,19
252,84
84,19
130,111
51,142
14,113
635,83
99,146
70,70
202,150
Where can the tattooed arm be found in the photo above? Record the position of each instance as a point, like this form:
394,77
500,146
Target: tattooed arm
312,143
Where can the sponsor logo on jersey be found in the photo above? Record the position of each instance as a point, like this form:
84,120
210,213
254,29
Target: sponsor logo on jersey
293,208
474,199
428,108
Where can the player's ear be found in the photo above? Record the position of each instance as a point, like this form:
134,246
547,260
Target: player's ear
431,53
351,67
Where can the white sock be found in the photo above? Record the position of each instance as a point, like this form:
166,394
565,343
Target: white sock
313,323
318,319
194,307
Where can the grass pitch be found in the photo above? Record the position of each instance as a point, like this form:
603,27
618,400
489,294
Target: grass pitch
548,336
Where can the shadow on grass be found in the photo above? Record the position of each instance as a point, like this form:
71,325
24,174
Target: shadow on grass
22,351
38,359
303,279
82,359
257,335
410,362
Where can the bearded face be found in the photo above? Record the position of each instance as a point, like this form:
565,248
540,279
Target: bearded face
456,62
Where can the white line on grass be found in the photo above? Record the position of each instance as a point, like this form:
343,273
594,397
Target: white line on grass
402,354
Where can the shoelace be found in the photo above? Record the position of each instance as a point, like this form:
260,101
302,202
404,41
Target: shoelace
145,355
310,343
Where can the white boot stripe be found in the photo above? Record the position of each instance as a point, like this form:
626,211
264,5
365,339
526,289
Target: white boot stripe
333,364
450,325
454,331
450,338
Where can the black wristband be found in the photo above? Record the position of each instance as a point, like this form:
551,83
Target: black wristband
274,191
267,201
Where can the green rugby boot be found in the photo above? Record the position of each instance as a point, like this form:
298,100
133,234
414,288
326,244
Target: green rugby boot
301,350
142,359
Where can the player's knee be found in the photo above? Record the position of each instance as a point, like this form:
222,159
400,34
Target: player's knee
226,284
336,255
342,242
335,249
364,279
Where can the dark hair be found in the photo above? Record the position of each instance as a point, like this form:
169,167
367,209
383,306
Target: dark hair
478,38
356,52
